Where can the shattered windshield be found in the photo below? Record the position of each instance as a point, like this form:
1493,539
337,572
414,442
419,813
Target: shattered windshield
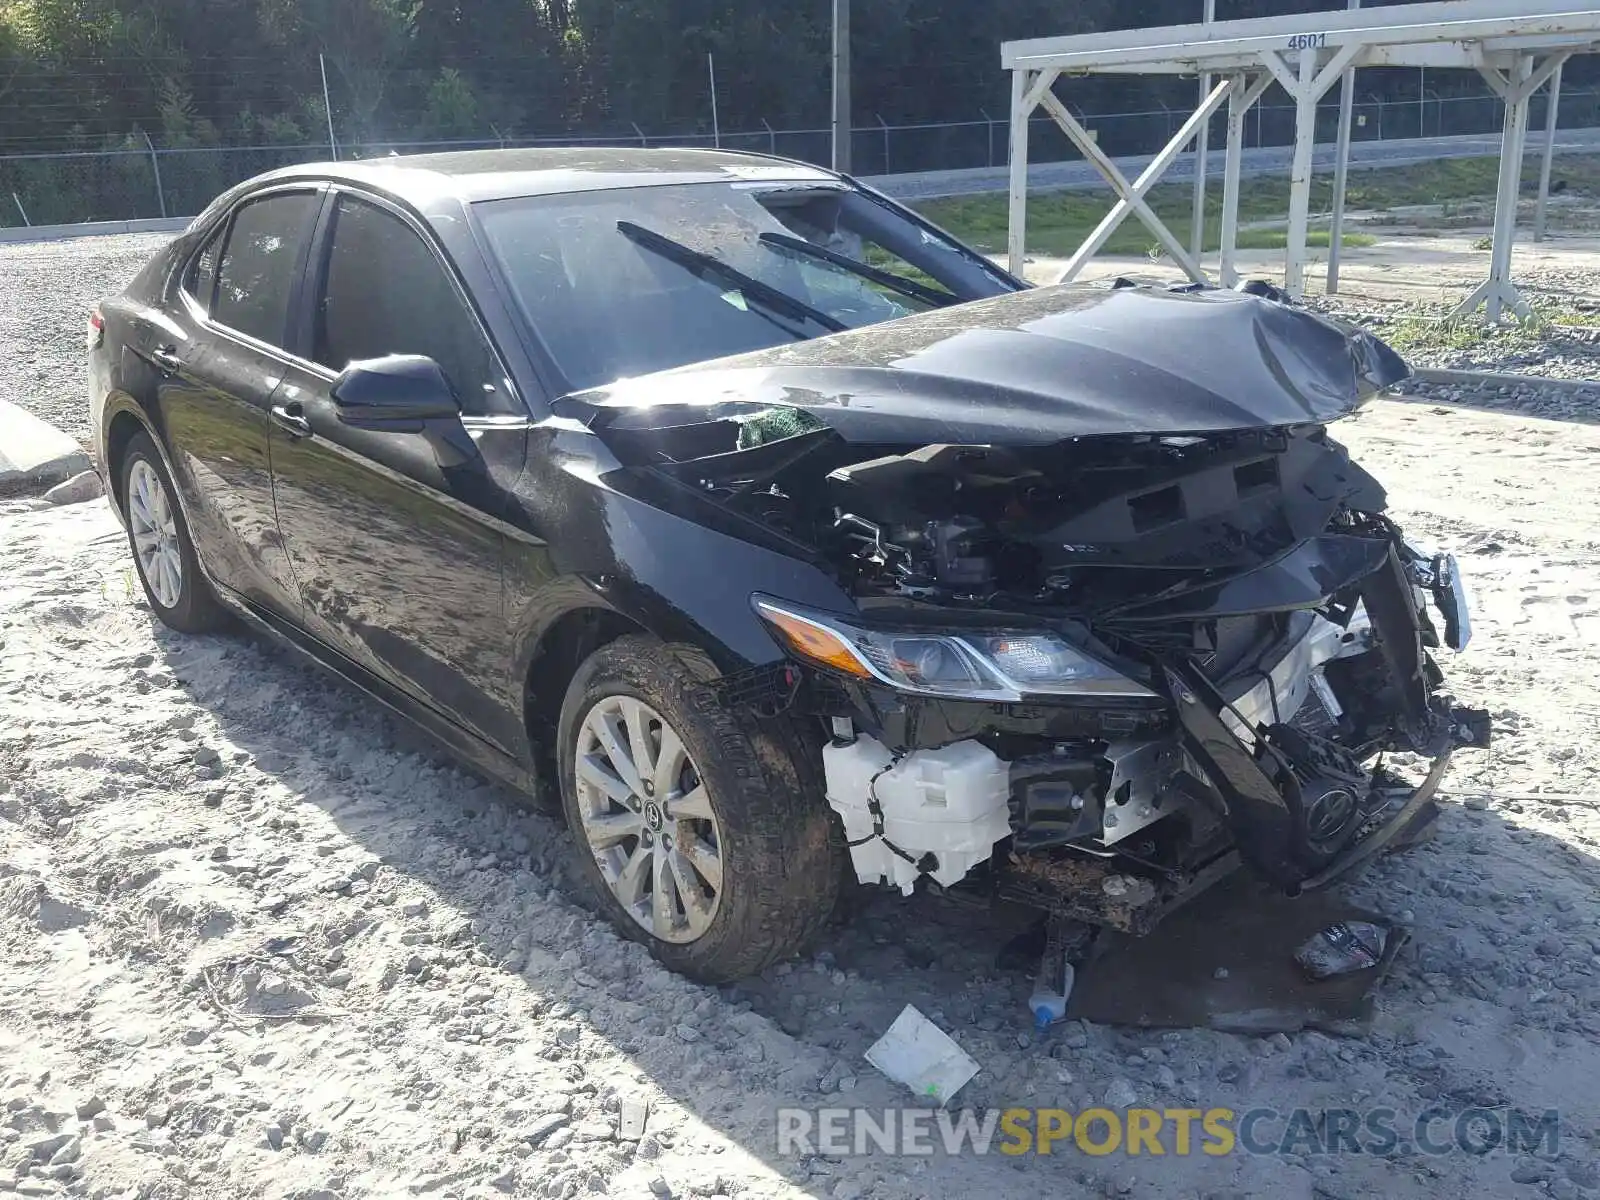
616,283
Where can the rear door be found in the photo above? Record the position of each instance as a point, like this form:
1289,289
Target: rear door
217,368
395,540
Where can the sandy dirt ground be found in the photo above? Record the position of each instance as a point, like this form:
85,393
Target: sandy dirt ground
256,940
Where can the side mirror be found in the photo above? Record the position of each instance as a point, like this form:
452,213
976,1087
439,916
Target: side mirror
397,394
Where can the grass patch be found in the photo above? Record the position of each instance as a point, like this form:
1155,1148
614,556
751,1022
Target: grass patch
1277,239
1059,221
1414,332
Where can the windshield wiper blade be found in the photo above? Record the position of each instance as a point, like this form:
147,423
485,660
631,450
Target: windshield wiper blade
888,279
765,295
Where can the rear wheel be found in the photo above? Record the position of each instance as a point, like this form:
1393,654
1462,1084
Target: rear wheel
163,553
703,831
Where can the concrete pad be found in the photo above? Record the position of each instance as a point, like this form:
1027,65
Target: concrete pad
34,455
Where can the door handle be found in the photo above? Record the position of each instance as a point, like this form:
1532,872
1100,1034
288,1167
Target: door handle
167,359
292,417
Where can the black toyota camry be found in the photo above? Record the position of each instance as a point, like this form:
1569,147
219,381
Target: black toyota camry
784,540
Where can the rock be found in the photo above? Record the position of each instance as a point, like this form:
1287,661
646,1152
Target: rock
1549,947
83,486
205,756
558,1139
1120,1093
687,1033
70,1151
543,1127
1564,1189
92,1107
1583,1173
660,1187
314,1139
156,1116
1532,1171
848,1189
506,1181
415,908
340,978
44,1148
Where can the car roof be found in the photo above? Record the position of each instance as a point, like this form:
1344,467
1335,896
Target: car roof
474,175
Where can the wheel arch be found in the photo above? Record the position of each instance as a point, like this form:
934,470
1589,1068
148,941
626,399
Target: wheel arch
122,427
553,660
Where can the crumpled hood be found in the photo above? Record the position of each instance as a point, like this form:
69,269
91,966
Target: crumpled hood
1036,367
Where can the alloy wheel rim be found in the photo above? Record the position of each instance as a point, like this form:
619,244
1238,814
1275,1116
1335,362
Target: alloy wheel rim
155,534
647,818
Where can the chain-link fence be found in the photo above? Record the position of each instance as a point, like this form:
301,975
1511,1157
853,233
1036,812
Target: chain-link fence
155,181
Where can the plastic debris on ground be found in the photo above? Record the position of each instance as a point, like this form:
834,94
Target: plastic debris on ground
916,1052
1053,984
1342,948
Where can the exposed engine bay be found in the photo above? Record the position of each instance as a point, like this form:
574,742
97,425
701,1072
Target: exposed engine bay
1093,671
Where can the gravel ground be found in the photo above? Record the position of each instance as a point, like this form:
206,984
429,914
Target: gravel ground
50,289
257,941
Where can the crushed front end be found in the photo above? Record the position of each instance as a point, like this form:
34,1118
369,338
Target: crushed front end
1208,666
1093,666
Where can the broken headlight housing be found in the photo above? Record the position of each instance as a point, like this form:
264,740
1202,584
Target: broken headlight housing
1003,665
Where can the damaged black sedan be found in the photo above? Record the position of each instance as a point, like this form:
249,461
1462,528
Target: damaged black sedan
783,540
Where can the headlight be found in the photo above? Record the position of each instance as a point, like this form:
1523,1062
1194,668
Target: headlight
990,665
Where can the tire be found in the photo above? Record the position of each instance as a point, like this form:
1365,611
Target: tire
182,599
775,839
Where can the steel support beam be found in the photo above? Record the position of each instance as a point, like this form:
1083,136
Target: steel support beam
1341,172
1243,93
1305,132
1552,107
1017,222
1197,212
1132,195
1498,293
1305,87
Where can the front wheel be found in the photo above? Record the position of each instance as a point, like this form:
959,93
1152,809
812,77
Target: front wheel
704,832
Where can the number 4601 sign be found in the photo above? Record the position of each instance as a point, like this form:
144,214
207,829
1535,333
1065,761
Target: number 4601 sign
1308,41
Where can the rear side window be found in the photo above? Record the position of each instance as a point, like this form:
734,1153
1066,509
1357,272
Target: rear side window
386,292
200,281
256,273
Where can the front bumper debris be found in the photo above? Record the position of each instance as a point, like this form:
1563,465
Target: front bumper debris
1263,747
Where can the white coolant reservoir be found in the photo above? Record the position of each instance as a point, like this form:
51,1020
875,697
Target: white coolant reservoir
952,802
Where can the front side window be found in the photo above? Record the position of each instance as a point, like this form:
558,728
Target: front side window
623,282
256,274
386,293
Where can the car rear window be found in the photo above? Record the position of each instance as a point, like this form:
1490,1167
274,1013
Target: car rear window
256,274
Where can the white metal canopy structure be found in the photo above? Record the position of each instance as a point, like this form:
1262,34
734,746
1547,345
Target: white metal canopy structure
1516,45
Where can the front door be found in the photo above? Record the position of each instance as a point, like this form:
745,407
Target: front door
395,539
218,364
